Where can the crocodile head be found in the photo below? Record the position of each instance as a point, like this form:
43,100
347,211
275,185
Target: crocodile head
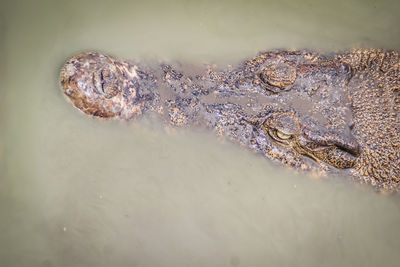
292,106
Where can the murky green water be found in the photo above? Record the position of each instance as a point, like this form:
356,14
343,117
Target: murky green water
75,191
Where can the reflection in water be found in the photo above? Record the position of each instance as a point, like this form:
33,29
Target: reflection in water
76,191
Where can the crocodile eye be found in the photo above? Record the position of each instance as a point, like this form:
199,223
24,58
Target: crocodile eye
279,135
280,75
282,135
282,126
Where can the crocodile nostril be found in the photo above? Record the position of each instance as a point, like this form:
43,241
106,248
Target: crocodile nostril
98,82
106,83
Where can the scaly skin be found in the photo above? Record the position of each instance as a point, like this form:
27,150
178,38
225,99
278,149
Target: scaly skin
334,113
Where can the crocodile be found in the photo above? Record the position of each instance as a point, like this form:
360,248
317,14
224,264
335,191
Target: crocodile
327,113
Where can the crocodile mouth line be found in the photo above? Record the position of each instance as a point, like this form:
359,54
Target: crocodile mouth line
337,156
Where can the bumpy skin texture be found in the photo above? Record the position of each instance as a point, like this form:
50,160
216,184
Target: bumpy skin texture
332,113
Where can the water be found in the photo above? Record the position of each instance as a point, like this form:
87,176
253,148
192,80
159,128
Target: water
77,191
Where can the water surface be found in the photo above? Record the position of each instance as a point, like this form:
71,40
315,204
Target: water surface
77,191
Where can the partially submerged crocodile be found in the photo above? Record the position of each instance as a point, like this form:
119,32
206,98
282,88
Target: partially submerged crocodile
328,113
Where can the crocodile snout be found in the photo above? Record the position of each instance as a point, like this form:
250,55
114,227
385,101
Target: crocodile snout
92,82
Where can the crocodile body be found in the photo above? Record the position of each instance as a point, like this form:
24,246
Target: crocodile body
327,113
